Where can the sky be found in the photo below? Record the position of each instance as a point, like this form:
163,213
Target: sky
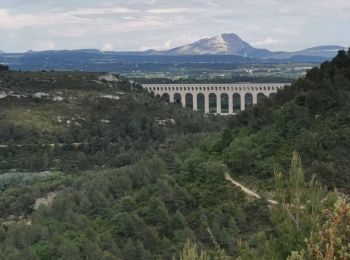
122,25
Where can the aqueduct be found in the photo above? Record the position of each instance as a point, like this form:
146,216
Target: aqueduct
215,98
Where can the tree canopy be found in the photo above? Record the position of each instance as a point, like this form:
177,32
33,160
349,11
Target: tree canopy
125,186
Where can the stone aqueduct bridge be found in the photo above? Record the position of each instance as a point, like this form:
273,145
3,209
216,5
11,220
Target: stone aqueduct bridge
215,98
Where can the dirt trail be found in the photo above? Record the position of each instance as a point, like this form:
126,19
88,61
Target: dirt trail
246,190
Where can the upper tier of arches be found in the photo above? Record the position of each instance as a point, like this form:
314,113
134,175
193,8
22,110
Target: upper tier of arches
170,87
215,98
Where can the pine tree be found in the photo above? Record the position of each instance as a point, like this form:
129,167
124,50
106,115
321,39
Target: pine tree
331,241
191,252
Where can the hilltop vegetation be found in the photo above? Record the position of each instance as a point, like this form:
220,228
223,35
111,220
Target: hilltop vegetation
3,67
74,121
136,178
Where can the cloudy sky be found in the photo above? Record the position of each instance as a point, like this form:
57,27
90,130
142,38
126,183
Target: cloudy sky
162,24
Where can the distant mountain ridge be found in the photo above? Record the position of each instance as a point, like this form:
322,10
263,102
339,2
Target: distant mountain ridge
225,44
229,44
232,44
222,49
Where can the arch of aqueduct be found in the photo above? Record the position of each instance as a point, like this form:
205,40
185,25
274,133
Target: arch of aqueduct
215,98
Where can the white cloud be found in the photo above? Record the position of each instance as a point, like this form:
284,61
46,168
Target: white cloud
175,42
268,41
165,24
100,11
69,33
9,22
43,46
168,44
168,10
107,47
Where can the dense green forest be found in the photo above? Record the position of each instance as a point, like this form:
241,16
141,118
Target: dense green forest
92,167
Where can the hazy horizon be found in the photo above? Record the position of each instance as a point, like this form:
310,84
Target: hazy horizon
153,24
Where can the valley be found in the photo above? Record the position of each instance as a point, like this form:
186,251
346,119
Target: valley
135,177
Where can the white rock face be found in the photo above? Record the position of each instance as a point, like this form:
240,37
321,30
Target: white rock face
109,78
45,201
58,98
10,94
3,95
38,95
164,122
41,95
110,97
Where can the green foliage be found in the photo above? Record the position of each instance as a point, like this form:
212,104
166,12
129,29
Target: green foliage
332,240
129,187
88,127
299,212
4,67
300,208
190,252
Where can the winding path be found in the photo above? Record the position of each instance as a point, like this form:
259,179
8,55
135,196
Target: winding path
246,190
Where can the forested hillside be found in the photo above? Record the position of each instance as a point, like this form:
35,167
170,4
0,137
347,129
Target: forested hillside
75,121
94,168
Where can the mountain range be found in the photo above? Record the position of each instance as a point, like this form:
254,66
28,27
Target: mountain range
232,44
225,44
223,49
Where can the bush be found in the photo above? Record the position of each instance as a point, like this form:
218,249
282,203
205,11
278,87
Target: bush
4,67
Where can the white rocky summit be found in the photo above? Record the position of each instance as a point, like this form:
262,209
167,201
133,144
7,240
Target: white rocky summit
224,44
